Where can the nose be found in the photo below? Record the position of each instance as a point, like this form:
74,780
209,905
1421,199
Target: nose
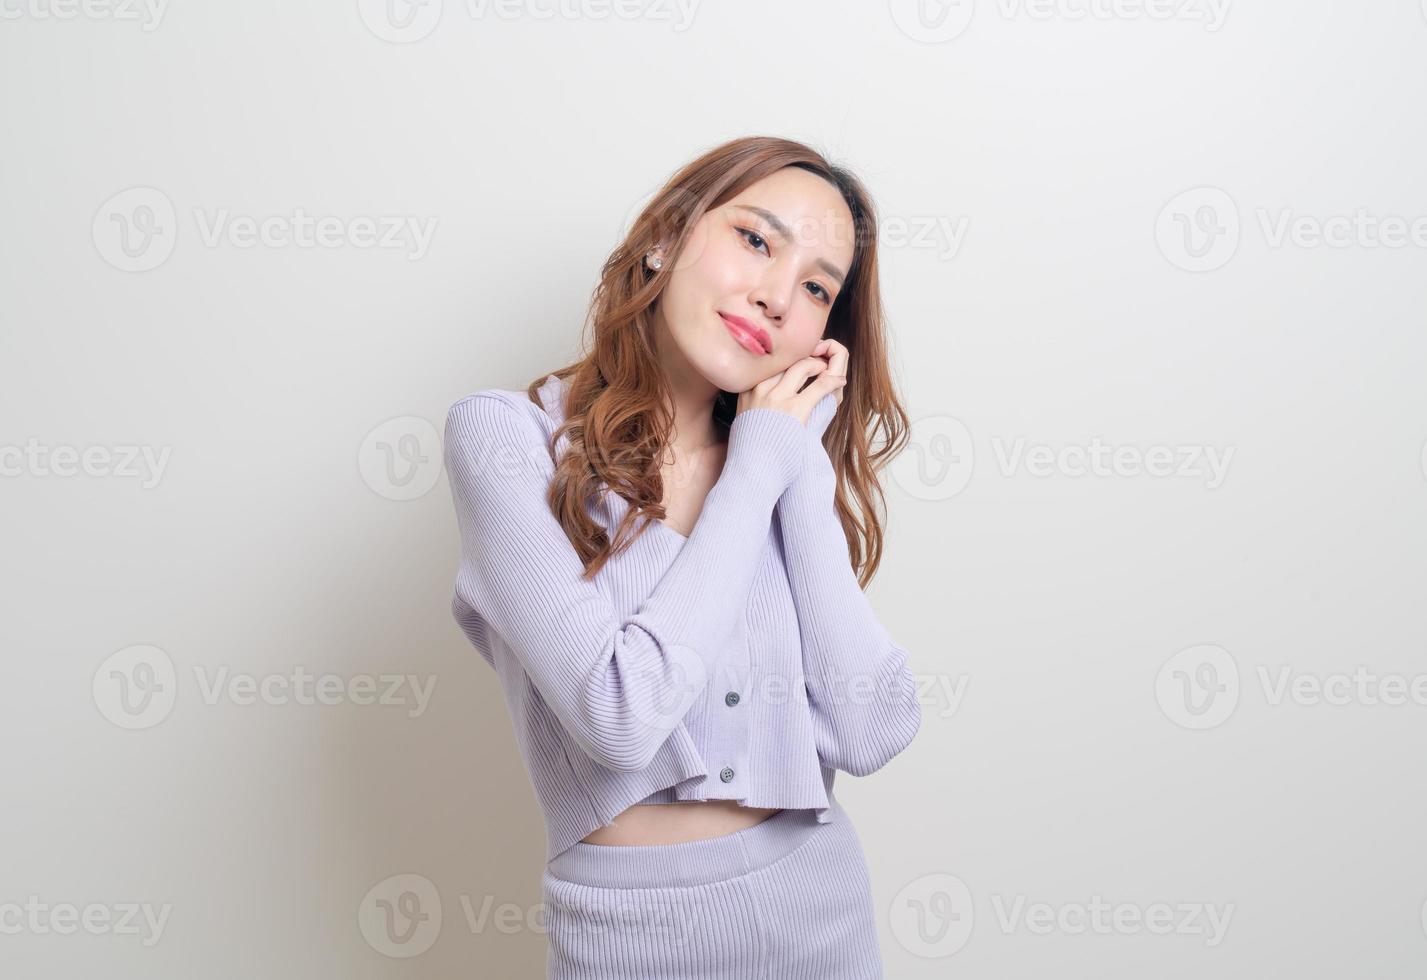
768,296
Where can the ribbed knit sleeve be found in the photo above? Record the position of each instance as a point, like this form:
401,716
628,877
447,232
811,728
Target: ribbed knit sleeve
619,685
860,691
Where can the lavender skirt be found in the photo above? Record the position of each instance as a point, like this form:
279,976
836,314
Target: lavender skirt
785,899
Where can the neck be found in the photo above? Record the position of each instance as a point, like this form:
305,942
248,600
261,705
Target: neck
693,398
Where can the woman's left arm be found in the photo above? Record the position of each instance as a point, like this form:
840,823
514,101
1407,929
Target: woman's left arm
861,693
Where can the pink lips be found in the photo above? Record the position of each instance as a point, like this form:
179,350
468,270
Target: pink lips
753,338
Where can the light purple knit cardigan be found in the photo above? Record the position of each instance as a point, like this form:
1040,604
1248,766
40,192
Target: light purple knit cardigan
740,662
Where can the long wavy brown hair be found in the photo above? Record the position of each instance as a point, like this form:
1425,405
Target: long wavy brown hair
617,419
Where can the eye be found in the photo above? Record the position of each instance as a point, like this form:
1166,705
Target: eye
752,234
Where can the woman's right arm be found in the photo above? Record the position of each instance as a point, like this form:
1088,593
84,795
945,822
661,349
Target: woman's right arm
619,685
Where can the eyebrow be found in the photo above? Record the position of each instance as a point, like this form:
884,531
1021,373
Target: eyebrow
783,230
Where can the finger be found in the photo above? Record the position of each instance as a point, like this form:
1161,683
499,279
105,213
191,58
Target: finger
769,383
818,367
795,374
822,385
806,371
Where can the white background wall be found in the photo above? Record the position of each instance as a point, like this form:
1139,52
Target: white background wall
1102,653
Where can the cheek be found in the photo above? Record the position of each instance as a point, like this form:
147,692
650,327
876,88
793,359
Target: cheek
790,354
708,257
799,338
724,268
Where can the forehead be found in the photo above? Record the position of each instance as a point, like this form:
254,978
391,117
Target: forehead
809,207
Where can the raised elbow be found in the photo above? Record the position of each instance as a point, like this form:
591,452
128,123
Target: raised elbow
880,742
893,735
621,737
628,709
621,757
866,732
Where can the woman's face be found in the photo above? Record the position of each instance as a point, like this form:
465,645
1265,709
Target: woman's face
751,292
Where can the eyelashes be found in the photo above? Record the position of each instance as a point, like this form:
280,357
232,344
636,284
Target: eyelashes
746,234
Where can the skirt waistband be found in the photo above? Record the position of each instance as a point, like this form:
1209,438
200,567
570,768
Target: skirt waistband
695,862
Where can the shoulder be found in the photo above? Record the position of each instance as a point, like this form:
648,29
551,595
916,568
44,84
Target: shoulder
492,444
490,405
506,415
497,433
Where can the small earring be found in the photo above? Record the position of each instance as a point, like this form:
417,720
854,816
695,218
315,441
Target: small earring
654,262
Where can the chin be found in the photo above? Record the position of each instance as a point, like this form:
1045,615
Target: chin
727,377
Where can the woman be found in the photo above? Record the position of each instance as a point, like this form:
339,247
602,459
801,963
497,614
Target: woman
658,564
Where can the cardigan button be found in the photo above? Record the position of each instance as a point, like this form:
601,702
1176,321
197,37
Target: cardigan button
726,775
731,698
